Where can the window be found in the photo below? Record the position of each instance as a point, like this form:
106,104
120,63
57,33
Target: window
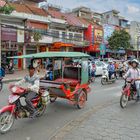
70,36
78,37
55,34
63,35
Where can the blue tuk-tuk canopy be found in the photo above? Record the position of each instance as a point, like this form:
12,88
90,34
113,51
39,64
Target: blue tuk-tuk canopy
53,55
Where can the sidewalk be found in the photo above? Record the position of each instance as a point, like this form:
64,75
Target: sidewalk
18,75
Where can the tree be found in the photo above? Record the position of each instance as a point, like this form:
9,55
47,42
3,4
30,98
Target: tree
6,9
119,40
37,36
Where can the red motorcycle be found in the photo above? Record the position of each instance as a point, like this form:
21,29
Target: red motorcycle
128,93
17,107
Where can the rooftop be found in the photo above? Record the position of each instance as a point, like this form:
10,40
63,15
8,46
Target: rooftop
23,8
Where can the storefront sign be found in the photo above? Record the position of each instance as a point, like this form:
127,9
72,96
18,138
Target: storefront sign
102,49
98,35
108,30
8,34
20,36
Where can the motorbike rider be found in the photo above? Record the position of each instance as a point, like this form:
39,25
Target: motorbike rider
111,69
134,74
32,90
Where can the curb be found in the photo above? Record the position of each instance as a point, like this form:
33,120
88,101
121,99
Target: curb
11,80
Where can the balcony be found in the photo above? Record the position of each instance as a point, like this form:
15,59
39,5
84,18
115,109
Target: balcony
76,43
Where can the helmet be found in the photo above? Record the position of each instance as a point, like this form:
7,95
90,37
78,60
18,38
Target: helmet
135,61
110,61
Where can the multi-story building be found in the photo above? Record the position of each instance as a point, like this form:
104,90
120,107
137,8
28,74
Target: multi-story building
87,13
68,37
94,32
111,17
135,35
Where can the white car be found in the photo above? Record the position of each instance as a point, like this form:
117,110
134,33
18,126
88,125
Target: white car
99,67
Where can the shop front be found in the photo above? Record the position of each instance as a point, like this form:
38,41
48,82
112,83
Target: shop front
9,45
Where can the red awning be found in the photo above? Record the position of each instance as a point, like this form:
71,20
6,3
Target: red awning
61,44
93,48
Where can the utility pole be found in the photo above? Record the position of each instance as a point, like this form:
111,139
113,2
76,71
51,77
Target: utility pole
0,43
138,38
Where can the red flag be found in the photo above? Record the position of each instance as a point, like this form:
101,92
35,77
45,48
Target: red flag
2,3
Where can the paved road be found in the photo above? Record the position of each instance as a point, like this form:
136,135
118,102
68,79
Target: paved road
60,113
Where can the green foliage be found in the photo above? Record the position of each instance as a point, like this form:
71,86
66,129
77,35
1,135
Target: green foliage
119,40
36,36
7,9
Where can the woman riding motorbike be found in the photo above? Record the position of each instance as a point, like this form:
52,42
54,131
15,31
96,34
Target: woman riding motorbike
134,74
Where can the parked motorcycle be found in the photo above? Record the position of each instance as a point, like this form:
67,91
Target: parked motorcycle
105,77
9,70
128,93
17,107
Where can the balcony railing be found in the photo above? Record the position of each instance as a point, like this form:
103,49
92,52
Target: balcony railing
77,43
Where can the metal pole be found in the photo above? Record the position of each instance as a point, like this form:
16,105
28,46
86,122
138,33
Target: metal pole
138,47
0,43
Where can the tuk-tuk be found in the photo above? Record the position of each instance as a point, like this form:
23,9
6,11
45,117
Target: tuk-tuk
67,79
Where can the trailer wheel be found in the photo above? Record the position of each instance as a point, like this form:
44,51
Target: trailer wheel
82,97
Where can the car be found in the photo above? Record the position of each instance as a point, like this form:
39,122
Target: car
99,67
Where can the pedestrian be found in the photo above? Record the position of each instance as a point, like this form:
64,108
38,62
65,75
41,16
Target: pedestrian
121,69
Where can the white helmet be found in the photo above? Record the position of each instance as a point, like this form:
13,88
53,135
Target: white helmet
135,61
110,61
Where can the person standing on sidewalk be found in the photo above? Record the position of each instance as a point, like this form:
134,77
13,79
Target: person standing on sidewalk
134,74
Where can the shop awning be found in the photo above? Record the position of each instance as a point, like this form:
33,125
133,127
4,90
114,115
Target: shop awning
61,44
119,51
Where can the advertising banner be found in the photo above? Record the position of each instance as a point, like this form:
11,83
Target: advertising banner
108,30
8,34
98,35
20,36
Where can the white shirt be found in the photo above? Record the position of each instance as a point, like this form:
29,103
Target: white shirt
132,73
32,82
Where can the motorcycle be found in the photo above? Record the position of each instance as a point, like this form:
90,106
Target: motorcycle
128,93
17,107
9,70
105,77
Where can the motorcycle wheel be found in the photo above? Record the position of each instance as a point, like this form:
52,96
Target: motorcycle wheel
1,85
124,100
103,81
41,110
6,122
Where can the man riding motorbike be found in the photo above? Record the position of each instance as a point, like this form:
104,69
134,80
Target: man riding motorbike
111,69
134,74
32,90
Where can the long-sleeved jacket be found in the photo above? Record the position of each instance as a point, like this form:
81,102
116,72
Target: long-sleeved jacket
111,68
32,82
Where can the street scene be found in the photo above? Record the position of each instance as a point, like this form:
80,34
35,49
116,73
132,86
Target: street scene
69,70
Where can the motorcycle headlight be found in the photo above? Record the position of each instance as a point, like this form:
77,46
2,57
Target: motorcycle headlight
14,89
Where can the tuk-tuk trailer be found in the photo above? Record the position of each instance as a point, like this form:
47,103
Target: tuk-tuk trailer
69,80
